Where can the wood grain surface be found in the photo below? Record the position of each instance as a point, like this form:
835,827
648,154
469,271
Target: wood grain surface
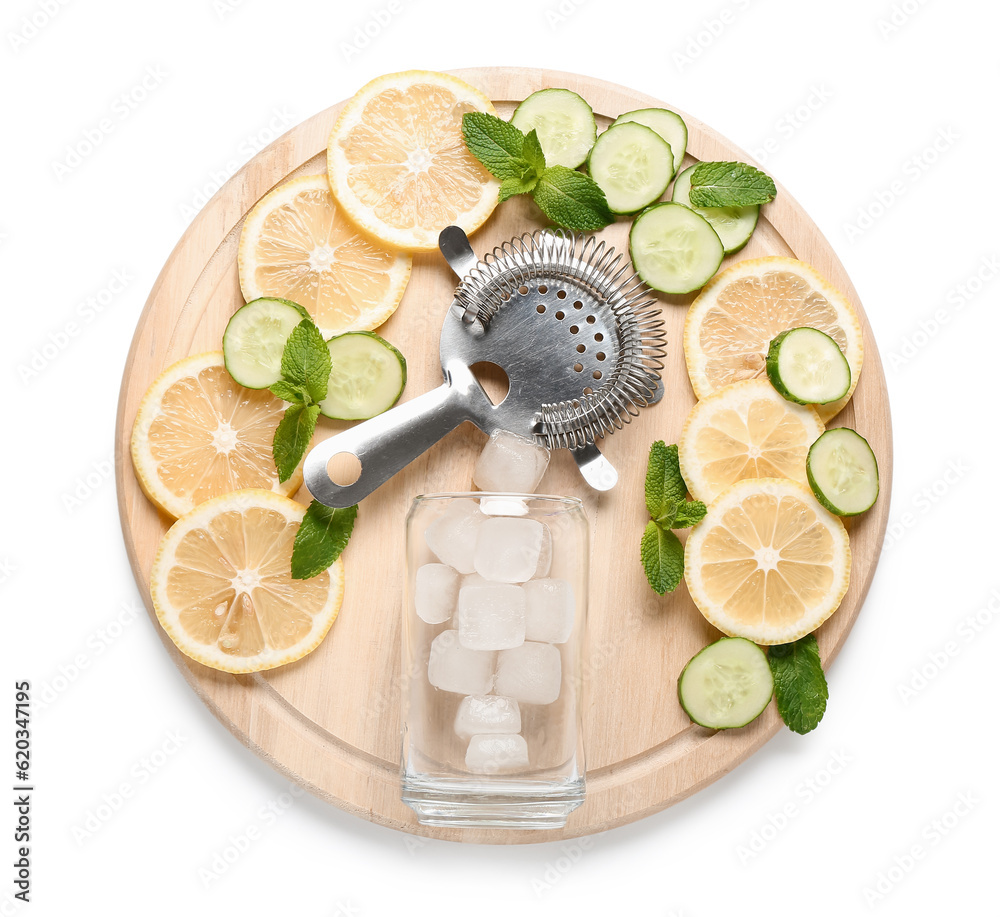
331,721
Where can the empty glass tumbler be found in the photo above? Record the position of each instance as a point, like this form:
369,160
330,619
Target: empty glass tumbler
493,626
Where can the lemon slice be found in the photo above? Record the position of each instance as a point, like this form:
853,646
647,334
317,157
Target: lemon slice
730,325
198,434
767,562
398,163
222,587
298,244
745,430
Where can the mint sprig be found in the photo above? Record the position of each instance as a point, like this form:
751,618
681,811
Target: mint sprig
566,197
321,538
661,551
729,184
305,371
800,688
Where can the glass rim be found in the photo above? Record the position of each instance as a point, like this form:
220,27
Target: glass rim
558,500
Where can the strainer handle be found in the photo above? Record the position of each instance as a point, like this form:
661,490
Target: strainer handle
388,442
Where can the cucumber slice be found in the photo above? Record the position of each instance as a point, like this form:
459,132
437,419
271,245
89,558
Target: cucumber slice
734,225
255,337
668,124
843,472
632,164
367,377
727,685
807,367
673,249
564,122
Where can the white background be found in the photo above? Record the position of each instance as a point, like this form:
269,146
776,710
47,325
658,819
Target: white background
854,97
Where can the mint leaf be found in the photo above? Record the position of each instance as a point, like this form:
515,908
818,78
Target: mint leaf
665,488
800,687
289,391
496,143
689,513
291,438
511,186
306,361
662,557
532,153
572,199
321,538
729,184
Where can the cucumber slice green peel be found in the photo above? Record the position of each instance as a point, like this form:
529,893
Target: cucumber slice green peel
255,337
673,249
726,685
808,367
564,122
734,225
668,124
843,472
632,164
366,378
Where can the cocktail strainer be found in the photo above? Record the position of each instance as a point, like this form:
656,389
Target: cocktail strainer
578,334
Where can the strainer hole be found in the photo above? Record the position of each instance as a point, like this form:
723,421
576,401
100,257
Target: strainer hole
561,294
542,288
598,337
560,315
591,319
540,308
600,356
522,290
588,391
578,367
578,305
574,329
580,348
597,374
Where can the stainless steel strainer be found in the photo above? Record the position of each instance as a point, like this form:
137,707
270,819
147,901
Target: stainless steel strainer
578,334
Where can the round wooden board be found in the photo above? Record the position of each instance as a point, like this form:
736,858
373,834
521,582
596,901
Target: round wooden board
330,721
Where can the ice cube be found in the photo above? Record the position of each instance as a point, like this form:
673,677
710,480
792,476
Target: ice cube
488,754
530,673
453,667
508,549
452,536
491,616
435,592
493,714
550,610
510,464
